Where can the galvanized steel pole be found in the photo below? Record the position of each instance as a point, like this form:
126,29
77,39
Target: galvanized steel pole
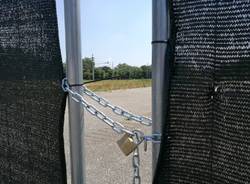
74,75
160,35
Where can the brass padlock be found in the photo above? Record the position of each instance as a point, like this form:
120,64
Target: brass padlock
127,144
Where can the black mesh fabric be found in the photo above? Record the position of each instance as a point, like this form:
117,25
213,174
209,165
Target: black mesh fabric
31,100
207,136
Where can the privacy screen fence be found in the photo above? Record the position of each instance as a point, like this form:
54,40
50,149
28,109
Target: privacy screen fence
207,136
31,100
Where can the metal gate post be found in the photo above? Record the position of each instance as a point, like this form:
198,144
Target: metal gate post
159,45
74,75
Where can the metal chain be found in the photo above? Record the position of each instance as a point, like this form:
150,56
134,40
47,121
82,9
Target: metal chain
116,126
136,160
116,109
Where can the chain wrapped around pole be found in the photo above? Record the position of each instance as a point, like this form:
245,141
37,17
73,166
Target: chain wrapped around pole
137,135
116,126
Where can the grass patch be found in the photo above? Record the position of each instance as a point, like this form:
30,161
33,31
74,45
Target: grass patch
110,85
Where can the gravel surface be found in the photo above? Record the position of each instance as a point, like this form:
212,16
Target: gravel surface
105,163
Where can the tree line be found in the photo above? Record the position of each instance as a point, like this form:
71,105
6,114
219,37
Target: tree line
121,71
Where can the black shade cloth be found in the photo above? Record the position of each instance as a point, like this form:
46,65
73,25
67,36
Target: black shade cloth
31,100
206,139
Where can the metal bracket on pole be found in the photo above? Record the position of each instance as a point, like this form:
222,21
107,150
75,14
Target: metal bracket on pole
74,76
159,45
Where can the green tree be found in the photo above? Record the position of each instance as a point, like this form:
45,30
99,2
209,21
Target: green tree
123,71
136,73
108,72
99,73
146,71
88,65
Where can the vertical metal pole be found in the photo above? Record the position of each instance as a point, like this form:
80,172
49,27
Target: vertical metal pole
113,71
74,75
160,34
93,67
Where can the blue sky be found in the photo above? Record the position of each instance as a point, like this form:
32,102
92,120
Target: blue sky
119,30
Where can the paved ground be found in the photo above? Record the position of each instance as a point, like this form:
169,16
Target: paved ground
105,163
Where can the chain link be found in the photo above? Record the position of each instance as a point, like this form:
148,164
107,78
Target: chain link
136,159
116,126
116,109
